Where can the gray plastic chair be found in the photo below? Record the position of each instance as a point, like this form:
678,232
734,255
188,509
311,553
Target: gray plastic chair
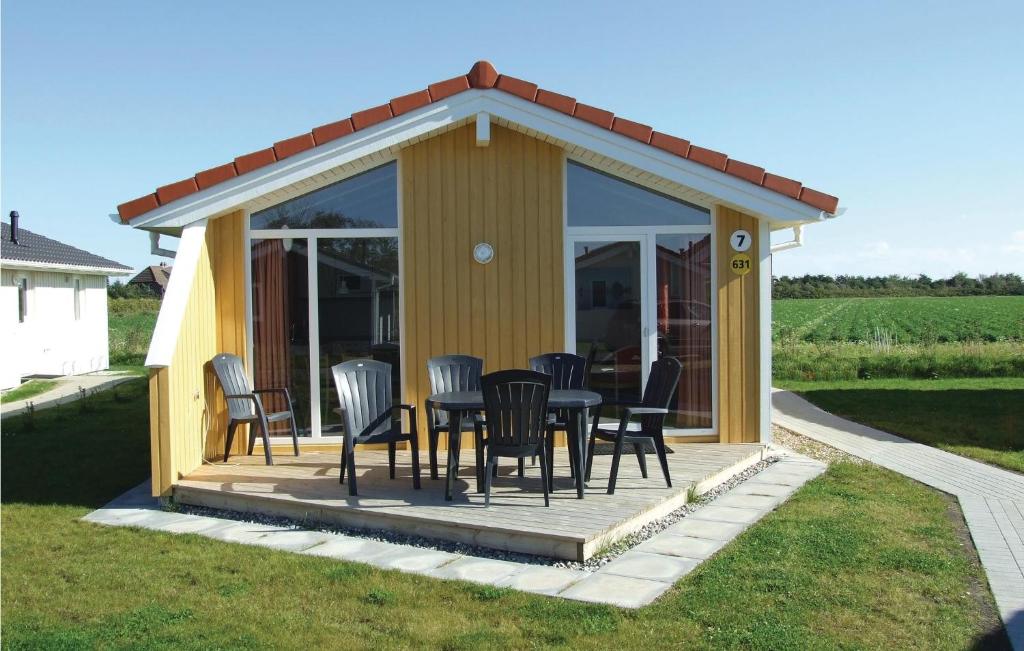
449,373
567,371
245,406
661,385
516,414
364,391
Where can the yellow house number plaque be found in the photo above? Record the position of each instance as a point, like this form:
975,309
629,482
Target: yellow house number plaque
740,264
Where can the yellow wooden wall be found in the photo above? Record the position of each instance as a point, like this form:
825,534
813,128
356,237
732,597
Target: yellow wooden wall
187,410
454,195
738,334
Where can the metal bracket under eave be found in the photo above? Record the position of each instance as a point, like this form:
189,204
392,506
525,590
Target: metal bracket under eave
154,246
483,129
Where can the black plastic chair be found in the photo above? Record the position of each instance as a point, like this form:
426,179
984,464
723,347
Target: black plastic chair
515,411
567,371
245,406
364,392
661,385
449,373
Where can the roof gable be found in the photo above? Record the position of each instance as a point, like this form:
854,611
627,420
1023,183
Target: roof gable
482,77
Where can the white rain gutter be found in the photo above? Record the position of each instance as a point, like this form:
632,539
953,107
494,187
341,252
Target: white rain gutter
154,239
798,232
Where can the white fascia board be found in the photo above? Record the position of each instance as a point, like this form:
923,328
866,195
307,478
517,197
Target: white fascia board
228,195
29,265
175,301
728,188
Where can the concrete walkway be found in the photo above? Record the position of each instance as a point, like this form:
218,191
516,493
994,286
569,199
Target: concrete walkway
634,579
67,390
992,499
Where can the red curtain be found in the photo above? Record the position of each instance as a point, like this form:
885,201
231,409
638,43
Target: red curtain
270,320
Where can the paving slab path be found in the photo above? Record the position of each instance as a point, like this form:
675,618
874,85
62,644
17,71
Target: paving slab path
68,389
632,580
992,499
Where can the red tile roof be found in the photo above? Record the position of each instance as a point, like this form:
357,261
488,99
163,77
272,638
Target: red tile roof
483,76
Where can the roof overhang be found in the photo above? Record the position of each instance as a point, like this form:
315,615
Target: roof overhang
28,265
779,210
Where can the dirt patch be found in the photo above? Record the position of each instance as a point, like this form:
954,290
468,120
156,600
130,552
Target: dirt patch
993,634
809,447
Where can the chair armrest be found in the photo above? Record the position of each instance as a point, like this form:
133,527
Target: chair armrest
271,390
641,411
245,396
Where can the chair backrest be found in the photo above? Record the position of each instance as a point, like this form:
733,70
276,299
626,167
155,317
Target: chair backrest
454,373
567,371
661,386
364,392
230,372
515,407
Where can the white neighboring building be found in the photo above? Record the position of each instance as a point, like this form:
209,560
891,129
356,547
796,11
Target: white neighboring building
53,307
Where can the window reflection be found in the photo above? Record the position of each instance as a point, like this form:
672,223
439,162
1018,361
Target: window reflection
367,200
598,199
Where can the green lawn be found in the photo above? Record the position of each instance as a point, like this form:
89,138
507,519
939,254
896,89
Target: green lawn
28,390
978,418
859,558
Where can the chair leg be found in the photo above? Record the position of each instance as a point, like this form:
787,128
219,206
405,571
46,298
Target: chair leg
491,461
478,444
549,458
295,435
414,445
522,467
641,458
544,477
432,436
591,446
267,454
343,464
391,459
659,446
351,463
231,437
615,465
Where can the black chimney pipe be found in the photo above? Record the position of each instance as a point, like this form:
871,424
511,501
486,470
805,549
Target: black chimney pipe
14,227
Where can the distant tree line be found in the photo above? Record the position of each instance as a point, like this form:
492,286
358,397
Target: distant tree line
868,286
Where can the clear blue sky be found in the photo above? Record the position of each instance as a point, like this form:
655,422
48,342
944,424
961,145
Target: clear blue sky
912,113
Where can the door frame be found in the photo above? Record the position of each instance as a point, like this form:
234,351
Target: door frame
647,237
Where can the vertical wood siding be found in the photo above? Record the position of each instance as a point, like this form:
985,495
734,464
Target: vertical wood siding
187,411
454,195
738,334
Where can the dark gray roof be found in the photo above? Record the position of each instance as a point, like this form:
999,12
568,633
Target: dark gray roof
43,250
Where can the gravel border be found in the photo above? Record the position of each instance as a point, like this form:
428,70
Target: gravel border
603,557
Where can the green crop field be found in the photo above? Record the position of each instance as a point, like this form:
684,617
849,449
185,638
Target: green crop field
911,320
913,337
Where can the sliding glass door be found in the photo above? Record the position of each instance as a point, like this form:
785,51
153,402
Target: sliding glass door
324,273
639,267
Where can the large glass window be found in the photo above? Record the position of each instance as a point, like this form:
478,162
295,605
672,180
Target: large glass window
280,327
367,200
324,297
683,286
608,304
357,296
598,199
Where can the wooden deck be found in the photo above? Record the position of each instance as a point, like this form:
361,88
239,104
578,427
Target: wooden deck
306,487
